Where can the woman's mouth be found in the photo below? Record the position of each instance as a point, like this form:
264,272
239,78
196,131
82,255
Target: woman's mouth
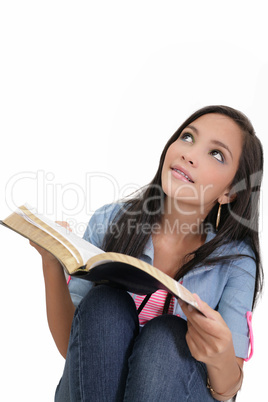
179,172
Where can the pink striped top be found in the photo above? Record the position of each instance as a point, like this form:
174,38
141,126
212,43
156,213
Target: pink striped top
154,306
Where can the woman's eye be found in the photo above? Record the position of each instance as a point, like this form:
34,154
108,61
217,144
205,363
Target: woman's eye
187,137
217,155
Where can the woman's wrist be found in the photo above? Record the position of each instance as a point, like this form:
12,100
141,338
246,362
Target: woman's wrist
230,392
52,270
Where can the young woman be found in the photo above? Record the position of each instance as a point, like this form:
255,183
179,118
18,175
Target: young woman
197,221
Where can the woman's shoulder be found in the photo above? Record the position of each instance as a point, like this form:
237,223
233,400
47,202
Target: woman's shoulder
100,221
241,248
108,211
231,247
241,251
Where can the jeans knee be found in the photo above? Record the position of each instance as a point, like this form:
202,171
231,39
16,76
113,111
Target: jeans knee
166,325
164,336
107,304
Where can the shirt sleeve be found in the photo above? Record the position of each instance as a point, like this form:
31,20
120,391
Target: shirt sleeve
236,301
95,232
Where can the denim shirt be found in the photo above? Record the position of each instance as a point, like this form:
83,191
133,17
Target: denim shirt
227,287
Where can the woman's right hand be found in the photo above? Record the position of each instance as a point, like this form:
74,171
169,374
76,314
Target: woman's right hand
47,257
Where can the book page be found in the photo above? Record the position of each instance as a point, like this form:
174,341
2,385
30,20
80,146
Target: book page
86,249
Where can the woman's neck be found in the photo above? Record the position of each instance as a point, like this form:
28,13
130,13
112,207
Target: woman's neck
182,221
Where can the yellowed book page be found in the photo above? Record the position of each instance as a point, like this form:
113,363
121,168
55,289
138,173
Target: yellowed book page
80,248
43,239
62,239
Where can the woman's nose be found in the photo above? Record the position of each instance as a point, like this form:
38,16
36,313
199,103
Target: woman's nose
189,159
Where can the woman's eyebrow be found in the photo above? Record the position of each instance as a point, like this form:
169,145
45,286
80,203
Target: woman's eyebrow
193,128
215,142
221,144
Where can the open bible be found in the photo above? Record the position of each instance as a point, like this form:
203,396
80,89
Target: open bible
82,259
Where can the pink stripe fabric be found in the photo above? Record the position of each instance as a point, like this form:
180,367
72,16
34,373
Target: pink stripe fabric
251,338
154,306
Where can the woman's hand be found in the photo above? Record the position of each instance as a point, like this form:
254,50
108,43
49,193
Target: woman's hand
210,341
47,257
208,337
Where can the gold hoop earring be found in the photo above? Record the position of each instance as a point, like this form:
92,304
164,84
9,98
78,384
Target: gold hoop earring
218,217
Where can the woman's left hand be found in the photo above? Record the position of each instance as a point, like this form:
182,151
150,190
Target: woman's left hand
208,337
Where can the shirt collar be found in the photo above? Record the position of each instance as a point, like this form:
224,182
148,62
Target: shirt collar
149,247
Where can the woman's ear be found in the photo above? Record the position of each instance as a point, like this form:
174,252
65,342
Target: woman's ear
226,198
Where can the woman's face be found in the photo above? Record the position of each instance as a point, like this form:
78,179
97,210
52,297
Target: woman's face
200,165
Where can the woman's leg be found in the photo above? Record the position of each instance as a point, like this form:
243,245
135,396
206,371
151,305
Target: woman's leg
104,329
161,367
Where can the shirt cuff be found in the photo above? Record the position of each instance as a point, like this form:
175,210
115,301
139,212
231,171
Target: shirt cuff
241,345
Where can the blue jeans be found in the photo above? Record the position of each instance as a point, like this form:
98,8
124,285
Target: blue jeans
110,359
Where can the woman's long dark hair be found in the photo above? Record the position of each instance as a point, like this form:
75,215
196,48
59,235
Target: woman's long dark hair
239,219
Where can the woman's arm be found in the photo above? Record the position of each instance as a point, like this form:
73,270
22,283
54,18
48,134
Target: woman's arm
210,341
60,308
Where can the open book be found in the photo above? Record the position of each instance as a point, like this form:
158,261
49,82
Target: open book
82,259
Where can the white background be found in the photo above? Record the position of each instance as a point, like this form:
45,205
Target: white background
89,94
